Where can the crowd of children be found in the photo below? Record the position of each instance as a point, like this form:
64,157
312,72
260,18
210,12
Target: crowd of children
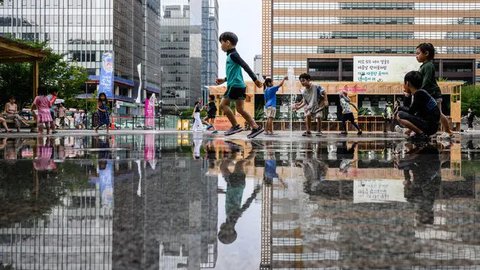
419,118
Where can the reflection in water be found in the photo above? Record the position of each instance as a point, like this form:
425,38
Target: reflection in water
421,167
44,155
156,202
235,186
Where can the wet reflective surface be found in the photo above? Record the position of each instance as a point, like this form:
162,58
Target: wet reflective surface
183,201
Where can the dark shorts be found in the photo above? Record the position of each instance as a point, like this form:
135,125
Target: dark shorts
428,127
210,116
235,93
348,117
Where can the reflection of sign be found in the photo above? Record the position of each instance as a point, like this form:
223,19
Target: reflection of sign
149,148
106,75
382,68
378,191
105,175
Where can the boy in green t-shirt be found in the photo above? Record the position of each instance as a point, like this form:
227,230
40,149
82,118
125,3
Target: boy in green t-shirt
236,87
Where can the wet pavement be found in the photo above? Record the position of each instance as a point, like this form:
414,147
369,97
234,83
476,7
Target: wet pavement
193,201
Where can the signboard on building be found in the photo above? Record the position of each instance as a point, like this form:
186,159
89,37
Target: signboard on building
383,68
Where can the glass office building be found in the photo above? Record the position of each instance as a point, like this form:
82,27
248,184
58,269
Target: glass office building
189,50
322,37
84,29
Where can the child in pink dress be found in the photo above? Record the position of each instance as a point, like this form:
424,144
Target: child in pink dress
43,116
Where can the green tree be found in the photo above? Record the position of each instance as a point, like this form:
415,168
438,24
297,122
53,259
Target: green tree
16,78
470,98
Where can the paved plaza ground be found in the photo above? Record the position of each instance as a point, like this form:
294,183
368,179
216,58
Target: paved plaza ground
136,199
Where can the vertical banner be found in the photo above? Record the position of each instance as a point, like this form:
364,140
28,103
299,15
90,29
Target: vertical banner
106,75
140,86
150,111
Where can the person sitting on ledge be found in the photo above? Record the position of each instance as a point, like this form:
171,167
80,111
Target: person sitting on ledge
11,112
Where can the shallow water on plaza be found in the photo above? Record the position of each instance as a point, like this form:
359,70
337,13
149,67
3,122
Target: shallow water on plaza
183,201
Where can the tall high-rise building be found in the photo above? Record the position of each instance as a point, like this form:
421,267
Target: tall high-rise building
189,50
209,42
322,37
84,29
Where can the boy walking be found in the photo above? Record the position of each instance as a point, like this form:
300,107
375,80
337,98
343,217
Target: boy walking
313,99
271,102
423,115
236,87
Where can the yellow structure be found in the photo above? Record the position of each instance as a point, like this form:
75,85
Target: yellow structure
355,89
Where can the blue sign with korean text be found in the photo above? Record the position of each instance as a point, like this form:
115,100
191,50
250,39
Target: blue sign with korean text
106,75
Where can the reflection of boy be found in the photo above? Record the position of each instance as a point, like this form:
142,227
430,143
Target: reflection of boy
270,168
233,198
424,165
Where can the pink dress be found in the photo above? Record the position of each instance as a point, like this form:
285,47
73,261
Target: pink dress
43,106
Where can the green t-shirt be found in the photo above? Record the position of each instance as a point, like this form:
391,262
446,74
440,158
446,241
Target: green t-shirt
234,67
429,84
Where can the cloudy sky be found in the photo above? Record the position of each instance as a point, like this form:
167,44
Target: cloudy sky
244,18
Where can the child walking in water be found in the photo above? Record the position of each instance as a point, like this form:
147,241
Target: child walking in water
236,87
43,116
102,111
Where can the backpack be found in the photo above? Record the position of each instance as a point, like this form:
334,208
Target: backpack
321,101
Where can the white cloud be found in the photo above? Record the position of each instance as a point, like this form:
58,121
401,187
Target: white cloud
244,18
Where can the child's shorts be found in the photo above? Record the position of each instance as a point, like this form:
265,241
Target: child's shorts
235,93
270,112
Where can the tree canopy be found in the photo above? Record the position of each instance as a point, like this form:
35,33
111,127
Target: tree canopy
16,78
470,98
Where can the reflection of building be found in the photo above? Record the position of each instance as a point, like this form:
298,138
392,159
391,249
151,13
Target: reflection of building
373,96
84,30
189,50
77,234
323,227
169,217
322,37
